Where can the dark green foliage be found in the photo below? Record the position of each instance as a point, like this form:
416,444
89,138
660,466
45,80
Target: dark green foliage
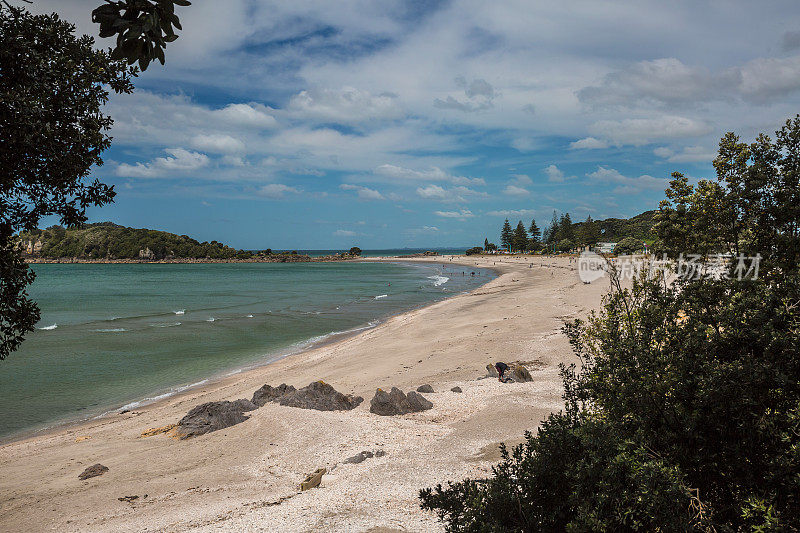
520,238
474,251
110,241
355,250
628,246
143,28
535,241
53,86
685,412
506,236
565,245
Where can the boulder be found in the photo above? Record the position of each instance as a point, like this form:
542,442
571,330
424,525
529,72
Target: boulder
93,471
425,388
456,389
359,457
313,479
268,393
212,416
519,374
320,396
491,372
396,403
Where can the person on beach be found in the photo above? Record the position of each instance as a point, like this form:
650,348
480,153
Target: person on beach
501,369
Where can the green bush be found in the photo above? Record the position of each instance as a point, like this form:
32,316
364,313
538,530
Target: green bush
685,412
628,246
476,250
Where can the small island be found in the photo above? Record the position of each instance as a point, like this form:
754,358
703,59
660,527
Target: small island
106,242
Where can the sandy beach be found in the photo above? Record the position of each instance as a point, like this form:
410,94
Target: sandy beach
245,477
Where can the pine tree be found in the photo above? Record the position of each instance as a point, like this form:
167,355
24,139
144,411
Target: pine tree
565,228
535,236
520,239
553,233
590,232
485,244
506,235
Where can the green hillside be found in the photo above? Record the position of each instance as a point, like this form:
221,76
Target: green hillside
615,229
106,240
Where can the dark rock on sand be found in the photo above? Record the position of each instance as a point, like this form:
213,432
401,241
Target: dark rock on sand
520,374
456,389
93,471
396,403
212,416
359,457
425,389
268,393
320,396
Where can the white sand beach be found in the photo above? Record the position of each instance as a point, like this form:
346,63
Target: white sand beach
245,477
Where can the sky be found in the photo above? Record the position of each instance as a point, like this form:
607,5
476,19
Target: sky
382,124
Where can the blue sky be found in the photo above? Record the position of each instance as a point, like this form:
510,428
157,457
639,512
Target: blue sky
311,124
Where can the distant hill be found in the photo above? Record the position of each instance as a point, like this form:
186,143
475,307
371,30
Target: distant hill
106,240
615,229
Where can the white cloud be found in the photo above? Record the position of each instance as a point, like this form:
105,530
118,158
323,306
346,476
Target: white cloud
179,159
252,115
461,215
641,131
479,95
364,193
344,233
431,174
453,194
513,190
346,105
689,154
588,143
521,179
554,174
218,143
276,190
627,184
512,213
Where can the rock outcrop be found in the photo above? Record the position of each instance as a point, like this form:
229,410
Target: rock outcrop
320,396
519,373
456,389
267,393
213,416
425,388
395,402
93,471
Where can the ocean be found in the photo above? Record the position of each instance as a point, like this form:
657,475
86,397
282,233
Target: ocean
114,336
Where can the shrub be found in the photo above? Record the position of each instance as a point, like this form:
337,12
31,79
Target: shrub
474,251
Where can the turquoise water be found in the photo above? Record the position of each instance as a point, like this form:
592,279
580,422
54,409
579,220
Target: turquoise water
114,335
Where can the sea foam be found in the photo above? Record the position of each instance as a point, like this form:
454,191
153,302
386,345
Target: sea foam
49,328
381,296
439,280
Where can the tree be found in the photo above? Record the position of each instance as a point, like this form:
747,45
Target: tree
553,230
535,236
486,244
685,412
565,229
628,246
355,250
506,235
143,28
589,232
520,239
52,92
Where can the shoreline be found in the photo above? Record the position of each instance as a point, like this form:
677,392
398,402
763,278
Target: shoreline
245,476
267,359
